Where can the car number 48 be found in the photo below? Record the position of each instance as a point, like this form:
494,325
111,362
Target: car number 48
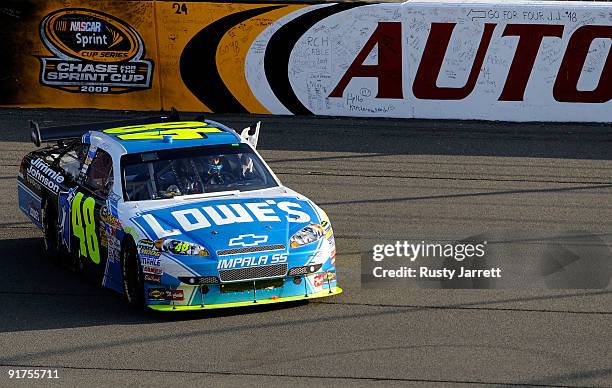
84,226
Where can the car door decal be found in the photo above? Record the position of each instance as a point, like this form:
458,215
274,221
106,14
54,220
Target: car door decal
84,226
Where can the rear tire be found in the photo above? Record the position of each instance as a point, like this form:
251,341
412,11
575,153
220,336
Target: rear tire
133,284
50,233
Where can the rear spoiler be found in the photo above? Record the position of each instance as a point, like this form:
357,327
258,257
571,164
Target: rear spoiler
40,135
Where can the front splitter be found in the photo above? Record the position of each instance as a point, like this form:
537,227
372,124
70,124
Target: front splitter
320,294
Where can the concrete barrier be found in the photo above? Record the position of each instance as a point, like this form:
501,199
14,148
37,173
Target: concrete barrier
510,60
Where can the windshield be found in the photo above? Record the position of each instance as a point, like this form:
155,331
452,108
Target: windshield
169,173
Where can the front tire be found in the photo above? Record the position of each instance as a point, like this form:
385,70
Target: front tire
50,233
133,284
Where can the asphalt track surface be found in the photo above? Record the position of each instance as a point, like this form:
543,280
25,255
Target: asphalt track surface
378,180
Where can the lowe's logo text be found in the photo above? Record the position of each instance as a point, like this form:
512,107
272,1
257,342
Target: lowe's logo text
204,217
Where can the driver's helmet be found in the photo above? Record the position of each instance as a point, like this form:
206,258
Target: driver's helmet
214,164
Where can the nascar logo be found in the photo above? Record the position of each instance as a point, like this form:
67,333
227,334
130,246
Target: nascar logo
199,218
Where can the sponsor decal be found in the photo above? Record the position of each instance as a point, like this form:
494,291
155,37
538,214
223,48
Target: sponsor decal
190,219
152,270
165,294
34,212
150,261
40,172
104,235
318,280
90,155
152,278
88,159
247,240
157,293
330,276
114,249
29,203
146,244
110,228
174,295
148,252
108,218
252,261
93,52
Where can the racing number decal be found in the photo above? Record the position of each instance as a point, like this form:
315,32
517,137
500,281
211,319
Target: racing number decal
182,247
84,227
185,130
177,134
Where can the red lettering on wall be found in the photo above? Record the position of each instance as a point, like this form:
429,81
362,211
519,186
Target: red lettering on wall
388,71
425,83
530,39
566,85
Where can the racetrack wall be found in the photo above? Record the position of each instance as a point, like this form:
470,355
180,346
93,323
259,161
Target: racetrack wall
510,60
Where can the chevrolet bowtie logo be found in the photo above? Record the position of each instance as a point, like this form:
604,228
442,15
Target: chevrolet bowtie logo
247,240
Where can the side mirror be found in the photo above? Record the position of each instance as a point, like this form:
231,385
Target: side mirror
251,134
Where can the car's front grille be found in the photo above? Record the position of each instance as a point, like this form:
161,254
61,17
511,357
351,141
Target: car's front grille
267,284
262,248
263,272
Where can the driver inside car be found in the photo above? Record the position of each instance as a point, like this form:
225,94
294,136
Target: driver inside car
187,180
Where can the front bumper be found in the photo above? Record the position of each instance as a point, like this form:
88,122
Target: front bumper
320,294
173,296
304,276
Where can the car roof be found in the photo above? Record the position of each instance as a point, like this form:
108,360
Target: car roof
167,135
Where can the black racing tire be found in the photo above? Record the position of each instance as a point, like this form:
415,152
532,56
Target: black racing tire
50,232
133,283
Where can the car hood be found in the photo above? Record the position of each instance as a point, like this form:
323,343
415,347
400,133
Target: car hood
246,220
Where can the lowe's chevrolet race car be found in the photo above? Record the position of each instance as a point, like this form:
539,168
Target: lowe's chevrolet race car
175,215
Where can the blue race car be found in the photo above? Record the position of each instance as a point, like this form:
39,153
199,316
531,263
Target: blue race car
176,215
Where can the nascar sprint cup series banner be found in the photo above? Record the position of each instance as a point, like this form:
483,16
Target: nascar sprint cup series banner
510,60
98,54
